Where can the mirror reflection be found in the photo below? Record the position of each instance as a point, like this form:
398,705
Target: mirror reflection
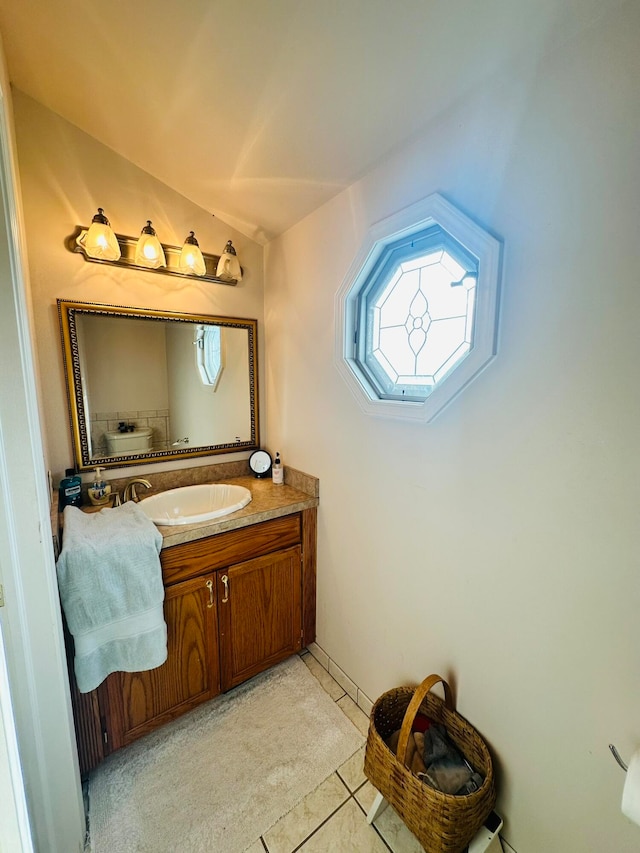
156,385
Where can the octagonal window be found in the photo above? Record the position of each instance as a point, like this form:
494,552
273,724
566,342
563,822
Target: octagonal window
419,313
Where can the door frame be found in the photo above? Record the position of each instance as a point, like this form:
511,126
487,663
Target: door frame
15,831
30,619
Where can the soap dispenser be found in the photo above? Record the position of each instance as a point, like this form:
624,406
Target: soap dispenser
277,471
99,491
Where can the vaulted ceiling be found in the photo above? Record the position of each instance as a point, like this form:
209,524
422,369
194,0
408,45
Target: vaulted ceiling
260,111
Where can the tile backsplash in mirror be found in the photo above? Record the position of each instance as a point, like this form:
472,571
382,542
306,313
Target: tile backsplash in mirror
156,419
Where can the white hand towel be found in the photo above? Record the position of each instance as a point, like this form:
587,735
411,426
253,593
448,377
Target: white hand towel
110,582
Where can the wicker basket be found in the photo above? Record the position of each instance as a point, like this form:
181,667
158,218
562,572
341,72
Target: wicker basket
442,823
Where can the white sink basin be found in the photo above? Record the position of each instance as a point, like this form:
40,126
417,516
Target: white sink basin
192,504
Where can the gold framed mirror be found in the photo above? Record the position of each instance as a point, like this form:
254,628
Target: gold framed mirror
152,386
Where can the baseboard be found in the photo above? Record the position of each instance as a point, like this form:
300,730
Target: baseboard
348,685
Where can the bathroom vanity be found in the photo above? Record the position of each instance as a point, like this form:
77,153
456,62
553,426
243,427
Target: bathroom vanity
239,598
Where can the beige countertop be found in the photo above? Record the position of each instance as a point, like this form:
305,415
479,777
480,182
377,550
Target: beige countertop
267,501
299,492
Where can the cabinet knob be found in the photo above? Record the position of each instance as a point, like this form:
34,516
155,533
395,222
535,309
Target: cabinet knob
225,581
209,586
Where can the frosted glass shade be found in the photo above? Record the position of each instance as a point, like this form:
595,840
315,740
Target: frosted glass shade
229,266
100,242
149,251
191,261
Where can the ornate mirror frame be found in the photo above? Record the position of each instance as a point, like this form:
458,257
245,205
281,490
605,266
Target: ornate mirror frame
69,312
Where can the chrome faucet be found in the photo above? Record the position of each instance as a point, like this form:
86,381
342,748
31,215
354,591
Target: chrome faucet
130,489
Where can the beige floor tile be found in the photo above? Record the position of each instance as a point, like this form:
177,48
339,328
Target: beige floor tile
256,847
396,834
351,771
355,714
330,684
366,795
389,824
347,831
285,835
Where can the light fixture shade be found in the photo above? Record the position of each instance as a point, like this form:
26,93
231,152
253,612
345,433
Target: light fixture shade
229,265
191,261
149,252
100,242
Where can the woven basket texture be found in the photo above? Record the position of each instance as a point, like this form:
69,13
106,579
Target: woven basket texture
442,823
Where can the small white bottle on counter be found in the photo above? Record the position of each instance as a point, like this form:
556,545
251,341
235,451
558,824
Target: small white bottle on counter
277,471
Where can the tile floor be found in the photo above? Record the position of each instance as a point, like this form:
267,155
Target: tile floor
333,817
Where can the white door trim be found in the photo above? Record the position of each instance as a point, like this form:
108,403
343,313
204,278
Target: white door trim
15,832
31,619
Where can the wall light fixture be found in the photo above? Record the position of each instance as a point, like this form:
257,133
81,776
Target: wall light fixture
99,244
191,260
149,251
229,266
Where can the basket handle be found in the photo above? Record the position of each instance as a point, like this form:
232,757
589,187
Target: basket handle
410,714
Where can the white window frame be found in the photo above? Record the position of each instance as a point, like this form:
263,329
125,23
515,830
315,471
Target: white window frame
433,210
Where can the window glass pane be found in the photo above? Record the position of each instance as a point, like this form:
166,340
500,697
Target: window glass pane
422,261
394,344
384,364
457,356
445,336
444,300
452,266
422,319
394,302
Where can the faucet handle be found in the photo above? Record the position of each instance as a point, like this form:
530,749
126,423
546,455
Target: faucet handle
116,499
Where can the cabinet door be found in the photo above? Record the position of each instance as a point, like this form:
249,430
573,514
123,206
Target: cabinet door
141,701
259,607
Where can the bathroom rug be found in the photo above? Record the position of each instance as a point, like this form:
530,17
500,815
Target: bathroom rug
216,779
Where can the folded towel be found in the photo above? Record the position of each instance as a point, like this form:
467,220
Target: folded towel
111,589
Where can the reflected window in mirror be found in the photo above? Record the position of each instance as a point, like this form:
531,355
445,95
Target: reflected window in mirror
209,354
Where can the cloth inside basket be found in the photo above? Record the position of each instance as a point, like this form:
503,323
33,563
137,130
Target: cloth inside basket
434,758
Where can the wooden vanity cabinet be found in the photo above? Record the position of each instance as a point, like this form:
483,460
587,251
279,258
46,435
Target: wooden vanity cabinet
236,603
259,590
260,614
139,702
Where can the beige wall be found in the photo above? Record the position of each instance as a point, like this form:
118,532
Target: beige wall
197,411
117,352
65,176
499,544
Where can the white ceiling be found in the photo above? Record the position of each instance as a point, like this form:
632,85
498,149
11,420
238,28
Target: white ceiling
259,111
